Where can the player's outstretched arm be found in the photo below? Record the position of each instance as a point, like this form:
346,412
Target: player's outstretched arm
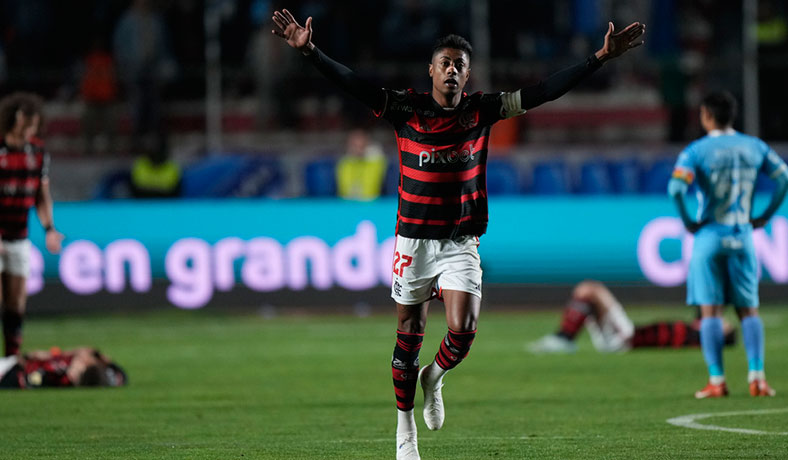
300,38
777,199
618,43
561,82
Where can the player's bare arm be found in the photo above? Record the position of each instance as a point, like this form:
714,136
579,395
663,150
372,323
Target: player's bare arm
52,238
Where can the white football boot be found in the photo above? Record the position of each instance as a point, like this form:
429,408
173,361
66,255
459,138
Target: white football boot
434,413
552,344
407,447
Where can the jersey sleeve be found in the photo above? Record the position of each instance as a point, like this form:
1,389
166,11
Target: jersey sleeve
684,170
773,166
398,106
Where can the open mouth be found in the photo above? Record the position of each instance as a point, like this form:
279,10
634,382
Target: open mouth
451,82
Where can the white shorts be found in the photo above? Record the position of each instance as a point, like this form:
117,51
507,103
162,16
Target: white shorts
7,363
612,332
424,268
15,258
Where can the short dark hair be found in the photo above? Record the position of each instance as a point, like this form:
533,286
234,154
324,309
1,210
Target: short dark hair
722,106
28,103
454,42
94,376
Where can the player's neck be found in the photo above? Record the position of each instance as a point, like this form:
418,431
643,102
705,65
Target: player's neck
447,101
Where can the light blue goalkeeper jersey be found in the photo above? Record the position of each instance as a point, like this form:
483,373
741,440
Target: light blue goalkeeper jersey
725,165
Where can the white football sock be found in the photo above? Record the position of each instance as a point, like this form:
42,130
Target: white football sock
406,422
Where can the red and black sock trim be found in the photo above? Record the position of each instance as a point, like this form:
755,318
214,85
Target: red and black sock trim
405,368
665,334
12,332
454,349
574,317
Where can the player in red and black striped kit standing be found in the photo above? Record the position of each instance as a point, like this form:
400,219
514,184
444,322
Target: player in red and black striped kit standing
24,183
442,137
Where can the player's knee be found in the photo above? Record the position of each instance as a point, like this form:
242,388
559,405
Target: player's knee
586,290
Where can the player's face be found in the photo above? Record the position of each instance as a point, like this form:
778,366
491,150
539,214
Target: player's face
28,125
449,70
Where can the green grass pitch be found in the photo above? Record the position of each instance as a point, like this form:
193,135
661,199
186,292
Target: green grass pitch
209,386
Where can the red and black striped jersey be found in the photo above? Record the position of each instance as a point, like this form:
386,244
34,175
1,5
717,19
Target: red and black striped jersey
443,162
49,372
21,172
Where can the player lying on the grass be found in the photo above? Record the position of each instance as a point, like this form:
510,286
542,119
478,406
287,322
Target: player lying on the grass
442,137
79,367
723,268
593,305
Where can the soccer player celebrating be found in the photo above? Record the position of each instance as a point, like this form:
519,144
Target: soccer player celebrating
723,268
442,137
593,305
24,183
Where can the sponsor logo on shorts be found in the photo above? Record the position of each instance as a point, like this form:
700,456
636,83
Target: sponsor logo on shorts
397,289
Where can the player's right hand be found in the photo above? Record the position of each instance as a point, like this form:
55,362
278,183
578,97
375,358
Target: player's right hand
288,28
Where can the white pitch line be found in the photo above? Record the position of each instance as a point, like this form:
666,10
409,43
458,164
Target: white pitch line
690,421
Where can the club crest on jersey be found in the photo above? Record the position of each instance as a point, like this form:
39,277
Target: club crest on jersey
446,156
468,119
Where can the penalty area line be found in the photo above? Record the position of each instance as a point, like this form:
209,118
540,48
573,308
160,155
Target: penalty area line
691,421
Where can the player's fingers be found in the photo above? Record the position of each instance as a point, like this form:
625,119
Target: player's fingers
610,28
279,24
635,45
277,33
281,17
636,32
290,16
308,24
631,26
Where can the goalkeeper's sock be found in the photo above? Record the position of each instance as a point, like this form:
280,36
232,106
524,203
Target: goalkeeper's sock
752,333
12,332
574,317
405,368
711,342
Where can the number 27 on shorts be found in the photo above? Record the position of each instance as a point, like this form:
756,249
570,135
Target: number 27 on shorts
400,262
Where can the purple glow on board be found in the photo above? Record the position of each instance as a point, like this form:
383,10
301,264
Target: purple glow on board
354,258
225,252
81,267
264,267
314,252
35,280
117,254
656,269
386,260
772,253
188,266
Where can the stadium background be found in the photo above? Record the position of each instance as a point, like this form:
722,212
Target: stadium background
577,186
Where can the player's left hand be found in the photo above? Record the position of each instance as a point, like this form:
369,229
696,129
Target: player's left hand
619,43
53,241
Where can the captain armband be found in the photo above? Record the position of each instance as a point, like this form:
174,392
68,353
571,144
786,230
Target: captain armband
511,104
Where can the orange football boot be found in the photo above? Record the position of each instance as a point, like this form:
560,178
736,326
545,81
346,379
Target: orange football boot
761,388
712,391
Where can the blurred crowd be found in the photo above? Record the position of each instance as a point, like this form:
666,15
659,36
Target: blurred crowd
126,61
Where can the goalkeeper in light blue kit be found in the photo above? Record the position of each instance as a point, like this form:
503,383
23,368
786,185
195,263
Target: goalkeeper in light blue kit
723,269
